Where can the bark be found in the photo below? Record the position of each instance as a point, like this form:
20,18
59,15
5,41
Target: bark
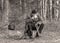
6,13
45,9
51,9
2,3
57,10
48,10
22,6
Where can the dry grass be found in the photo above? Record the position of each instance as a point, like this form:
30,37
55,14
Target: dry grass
50,34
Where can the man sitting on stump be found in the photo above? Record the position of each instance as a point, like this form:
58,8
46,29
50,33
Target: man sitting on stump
33,22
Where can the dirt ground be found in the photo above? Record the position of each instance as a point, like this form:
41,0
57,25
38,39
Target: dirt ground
50,34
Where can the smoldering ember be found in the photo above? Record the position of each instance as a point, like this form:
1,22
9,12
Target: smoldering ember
29,21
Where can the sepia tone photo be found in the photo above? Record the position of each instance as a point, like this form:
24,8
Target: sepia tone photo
29,21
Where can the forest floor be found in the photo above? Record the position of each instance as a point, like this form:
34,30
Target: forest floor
50,34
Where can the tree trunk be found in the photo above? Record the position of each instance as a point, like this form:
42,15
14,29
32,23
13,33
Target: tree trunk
22,6
51,9
6,13
2,4
57,10
45,9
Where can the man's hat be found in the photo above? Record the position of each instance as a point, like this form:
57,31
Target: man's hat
34,11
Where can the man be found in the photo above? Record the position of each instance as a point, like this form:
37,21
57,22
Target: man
33,23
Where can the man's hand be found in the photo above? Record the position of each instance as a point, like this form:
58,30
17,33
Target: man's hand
29,20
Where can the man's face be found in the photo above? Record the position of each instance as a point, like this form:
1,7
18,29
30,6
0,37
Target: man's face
34,16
